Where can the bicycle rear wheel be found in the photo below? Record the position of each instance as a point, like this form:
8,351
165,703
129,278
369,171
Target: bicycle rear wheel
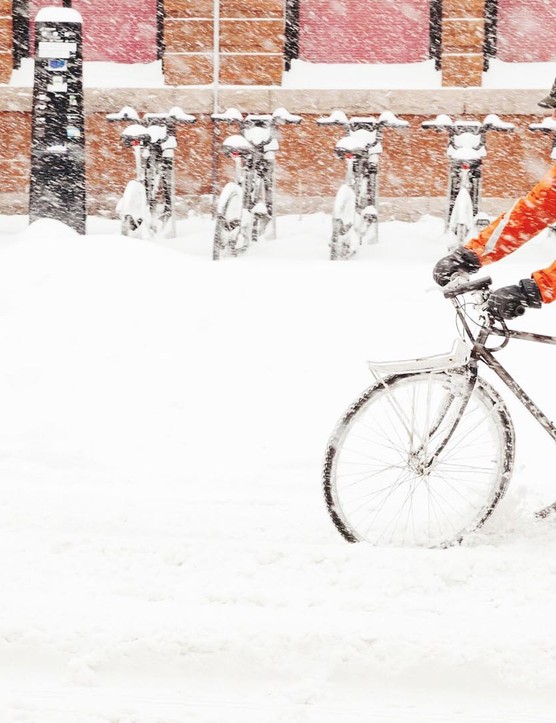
384,485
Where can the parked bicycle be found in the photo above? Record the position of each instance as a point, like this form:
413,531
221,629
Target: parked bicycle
548,125
466,151
355,215
426,453
147,207
246,205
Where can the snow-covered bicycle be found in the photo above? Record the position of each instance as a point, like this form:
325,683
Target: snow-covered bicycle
466,151
355,215
425,454
548,126
246,205
146,208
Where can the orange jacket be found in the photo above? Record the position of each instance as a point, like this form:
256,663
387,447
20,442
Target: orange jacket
528,216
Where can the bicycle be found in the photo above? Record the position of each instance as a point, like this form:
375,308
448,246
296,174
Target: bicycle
147,206
466,151
548,125
245,206
355,215
426,453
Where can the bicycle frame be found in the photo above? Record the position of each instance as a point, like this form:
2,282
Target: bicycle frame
464,361
253,152
481,353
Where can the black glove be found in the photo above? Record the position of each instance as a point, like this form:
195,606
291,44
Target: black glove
461,259
510,302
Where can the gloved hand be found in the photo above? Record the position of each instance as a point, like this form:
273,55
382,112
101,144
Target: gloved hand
509,302
461,259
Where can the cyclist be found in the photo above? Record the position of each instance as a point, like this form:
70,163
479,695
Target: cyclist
527,217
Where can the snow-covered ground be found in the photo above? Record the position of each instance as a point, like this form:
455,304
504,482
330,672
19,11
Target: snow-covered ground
166,552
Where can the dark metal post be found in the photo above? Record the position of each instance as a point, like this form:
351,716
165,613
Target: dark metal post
491,32
20,31
435,33
57,188
291,46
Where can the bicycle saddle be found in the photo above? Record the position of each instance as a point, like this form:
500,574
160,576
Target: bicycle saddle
135,132
237,144
359,142
157,133
257,135
466,147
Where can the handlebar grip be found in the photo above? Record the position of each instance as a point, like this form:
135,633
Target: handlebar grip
459,287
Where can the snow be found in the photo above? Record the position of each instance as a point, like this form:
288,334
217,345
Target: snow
98,74
167,553
58,15
503,75
304,74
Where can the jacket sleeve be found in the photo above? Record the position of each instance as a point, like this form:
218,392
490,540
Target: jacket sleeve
527,217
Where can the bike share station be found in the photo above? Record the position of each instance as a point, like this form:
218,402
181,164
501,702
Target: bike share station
57,188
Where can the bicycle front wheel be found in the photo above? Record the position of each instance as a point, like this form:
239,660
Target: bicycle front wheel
385,484
228,232
160,195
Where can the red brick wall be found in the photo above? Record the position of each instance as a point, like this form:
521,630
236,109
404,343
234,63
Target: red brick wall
353,31
526,31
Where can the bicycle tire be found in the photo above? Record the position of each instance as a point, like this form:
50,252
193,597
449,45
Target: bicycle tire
257,226
228,222
343,220
129,225
335,240
371,235
376,487
160,198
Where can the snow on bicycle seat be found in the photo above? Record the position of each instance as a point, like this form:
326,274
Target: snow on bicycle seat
358,142
157,133
135,132
458,356
237,144
466,147
258,135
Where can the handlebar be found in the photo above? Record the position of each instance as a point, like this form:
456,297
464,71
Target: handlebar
280,116
462,285
491,122
548,125
386,119
129,114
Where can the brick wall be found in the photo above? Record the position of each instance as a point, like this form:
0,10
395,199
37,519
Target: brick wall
251,42
5,40
463,29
